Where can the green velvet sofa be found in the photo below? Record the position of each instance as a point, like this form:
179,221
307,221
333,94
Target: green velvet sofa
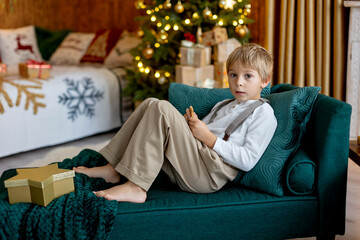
243,213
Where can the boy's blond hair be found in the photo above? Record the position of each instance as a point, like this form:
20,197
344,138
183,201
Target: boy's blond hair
253,56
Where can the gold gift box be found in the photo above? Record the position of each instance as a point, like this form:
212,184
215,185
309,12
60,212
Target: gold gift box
193,76
39,71
195,56
39,185
221,78
35,69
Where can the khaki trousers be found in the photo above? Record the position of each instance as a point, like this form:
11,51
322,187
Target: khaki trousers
156,136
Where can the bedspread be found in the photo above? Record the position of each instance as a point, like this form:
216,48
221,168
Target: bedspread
77,101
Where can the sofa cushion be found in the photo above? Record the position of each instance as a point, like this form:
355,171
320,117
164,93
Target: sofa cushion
227,214
300,174
292,110
181,96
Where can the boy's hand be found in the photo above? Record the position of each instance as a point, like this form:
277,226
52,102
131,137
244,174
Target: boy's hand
199,129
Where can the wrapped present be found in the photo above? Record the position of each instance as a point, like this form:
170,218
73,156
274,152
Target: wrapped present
3,70
38,69
34,69
197,56
221,78
193,76
39,185
223,50
215,36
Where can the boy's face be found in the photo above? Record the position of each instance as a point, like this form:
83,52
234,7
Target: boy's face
245,83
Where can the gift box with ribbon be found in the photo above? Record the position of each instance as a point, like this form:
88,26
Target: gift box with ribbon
34,69
39,185
214,36
38,69
196,56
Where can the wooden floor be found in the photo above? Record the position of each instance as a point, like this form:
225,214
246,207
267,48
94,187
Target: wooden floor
47,155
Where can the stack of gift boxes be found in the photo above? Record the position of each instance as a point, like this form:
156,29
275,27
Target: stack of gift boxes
195,64
195,67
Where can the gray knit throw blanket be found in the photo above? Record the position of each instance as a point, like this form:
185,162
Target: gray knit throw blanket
77,215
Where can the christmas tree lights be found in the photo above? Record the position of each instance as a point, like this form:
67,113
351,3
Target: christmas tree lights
164,24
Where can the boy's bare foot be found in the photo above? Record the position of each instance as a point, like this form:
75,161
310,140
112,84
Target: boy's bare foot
127,192
106,172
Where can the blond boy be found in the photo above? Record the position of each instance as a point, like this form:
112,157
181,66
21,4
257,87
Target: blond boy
192,152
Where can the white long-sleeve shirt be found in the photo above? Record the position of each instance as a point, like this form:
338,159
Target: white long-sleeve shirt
247,144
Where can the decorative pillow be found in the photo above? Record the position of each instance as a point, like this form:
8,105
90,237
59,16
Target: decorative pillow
292,110
49,41
119,55
300,174
101,45
72,48
17,45
181,96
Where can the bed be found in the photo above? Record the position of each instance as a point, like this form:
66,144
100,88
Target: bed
75,102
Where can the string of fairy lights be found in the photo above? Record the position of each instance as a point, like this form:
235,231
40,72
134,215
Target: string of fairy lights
226,13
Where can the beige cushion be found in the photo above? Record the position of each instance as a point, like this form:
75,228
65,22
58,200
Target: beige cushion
120,56
72,48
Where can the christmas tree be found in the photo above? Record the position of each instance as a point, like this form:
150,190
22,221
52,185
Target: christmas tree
164,24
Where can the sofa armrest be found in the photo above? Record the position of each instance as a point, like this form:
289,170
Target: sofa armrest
327,142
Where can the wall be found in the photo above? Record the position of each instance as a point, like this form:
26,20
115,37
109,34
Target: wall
79,15
91,15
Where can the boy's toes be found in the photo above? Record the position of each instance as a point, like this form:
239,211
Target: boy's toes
99,193
79,168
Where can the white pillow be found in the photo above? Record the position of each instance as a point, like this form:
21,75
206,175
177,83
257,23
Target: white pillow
19,44
119,55
72,48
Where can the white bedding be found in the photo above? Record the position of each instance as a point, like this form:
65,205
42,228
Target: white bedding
78,101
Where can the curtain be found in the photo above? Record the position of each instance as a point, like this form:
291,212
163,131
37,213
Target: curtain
308,41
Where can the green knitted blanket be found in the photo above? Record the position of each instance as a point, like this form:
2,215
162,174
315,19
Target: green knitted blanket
77,215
